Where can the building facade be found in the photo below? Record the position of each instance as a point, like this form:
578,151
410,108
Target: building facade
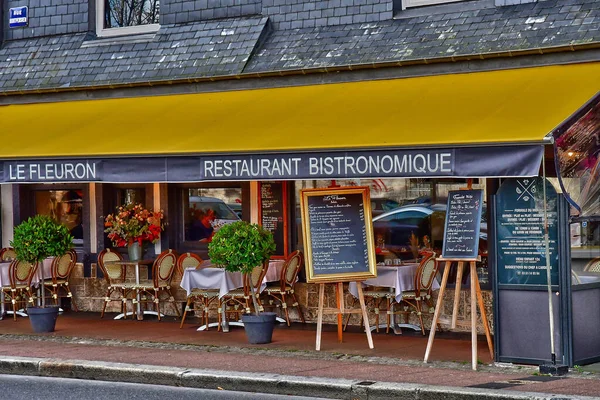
172,103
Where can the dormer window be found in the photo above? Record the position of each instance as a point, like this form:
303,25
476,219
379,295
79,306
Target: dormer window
126,17
419,3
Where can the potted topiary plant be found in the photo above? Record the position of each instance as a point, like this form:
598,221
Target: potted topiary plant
34,240
240,247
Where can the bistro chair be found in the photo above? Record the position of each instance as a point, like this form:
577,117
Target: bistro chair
62,267
198,299
374,297
593,265
114,275
7,254
163,270
277,294
239,301
20,275
412,301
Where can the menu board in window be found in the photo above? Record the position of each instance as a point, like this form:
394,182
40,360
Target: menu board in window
463,219
273,214
338,234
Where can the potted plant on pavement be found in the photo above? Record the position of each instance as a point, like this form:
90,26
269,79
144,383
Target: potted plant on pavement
240,247
34,240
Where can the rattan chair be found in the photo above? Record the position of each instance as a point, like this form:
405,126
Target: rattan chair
276,295
163,270
239,301
374,297
61,272
198,299
412,301
18,291
7,254
114,275
593,265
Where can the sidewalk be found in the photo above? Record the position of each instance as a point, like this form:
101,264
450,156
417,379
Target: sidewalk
162,353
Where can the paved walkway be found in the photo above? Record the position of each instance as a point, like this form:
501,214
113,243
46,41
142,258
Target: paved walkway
395,359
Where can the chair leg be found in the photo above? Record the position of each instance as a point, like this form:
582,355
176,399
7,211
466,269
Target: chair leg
285,310
220,314
106,300
348,316
14,304
389,314
172,298
187,305
419,314
157,303
70,295
300,313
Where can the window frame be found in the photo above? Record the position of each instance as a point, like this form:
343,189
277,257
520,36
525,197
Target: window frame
120,31
420,3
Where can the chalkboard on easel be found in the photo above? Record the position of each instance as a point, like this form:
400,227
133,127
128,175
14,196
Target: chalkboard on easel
463,223
338,234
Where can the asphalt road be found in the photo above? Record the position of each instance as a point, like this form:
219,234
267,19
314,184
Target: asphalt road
19,387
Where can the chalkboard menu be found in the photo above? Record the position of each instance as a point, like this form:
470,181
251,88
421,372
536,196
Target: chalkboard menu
520,231
338,234
273,216
463,219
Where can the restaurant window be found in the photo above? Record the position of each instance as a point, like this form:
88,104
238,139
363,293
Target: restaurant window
204,210
65,207
416,221
117,18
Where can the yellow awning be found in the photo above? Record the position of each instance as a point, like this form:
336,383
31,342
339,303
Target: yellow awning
484,107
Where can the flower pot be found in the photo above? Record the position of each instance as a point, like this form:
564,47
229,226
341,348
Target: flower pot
43,319
134,250
259,328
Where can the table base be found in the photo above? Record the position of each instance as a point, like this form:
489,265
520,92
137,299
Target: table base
397,327
139,314
20,313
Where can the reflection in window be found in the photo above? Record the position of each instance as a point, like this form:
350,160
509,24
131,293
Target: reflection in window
65,207
121,13
207,209
131,196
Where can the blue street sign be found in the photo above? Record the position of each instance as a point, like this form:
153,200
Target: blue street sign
17,17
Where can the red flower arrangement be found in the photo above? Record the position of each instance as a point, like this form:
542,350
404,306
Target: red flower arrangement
133,223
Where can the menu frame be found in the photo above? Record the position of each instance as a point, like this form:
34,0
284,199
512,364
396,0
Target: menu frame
284,205
474,230
368,242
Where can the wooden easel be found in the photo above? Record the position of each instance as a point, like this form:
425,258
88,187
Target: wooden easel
340,310
475,292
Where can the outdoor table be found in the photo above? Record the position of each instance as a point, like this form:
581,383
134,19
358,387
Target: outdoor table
136,265
398,278
206,276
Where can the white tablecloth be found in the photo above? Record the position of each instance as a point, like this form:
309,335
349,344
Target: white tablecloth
208,277
398,278
37,278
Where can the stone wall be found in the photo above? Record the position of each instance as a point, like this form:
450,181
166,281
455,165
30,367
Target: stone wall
89,296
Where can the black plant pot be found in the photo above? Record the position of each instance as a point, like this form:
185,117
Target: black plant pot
259,328
43,319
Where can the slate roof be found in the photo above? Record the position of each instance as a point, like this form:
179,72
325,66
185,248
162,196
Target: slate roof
211,48
248,45
528,26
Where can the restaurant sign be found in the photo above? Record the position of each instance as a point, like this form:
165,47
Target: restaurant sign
405,163
520,227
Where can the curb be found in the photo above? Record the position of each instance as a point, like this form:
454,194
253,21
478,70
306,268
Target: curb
255,382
